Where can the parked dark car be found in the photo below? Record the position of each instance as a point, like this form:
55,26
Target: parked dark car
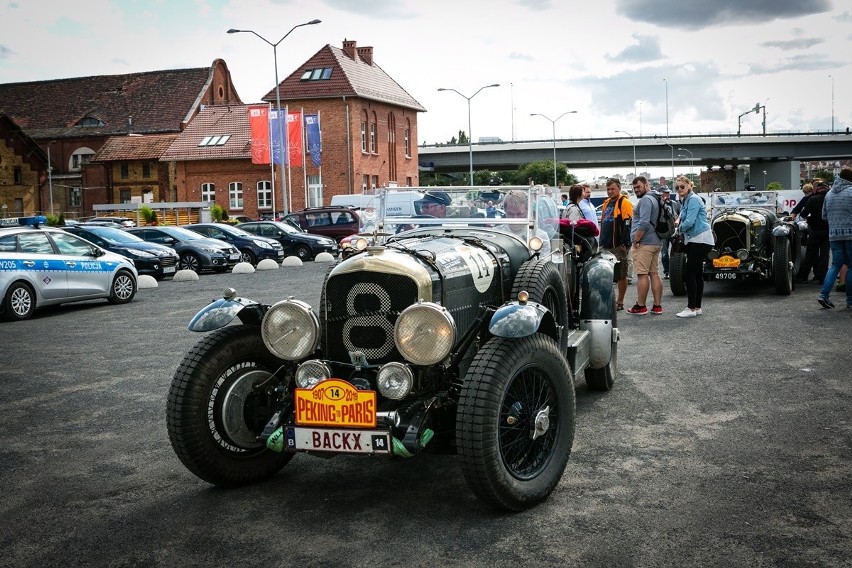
196,251
253,248
123,221
463,338
334,222
152,259
750,243
295,243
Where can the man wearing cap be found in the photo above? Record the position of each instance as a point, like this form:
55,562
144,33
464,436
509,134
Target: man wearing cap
433,203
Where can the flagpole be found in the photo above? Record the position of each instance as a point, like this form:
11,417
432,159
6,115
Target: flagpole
271,159
304,161
289,171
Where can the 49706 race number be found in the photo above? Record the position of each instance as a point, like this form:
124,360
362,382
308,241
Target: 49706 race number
335,402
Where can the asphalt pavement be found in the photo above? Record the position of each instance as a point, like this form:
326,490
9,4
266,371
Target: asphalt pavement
726,441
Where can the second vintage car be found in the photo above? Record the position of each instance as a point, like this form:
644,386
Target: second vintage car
751,243
456,336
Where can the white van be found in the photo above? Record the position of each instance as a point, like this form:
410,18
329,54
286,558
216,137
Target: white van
397,202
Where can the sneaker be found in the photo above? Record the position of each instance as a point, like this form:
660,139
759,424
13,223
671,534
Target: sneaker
687,313
698,311
638,310
825,302
666,276
657,310
619,307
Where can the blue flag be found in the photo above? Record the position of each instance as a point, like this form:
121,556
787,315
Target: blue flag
277,137
312,133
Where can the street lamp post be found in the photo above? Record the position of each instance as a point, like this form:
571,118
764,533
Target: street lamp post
667,107
632,139
672,147
469,133
690,160
764,179
284,203
50,176
553,123
832,103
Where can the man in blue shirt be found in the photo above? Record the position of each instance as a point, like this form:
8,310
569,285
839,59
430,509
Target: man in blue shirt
587,208
646,250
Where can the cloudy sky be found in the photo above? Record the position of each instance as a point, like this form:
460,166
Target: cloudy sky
616,62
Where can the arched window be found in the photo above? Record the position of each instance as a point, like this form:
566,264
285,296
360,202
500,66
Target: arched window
79,157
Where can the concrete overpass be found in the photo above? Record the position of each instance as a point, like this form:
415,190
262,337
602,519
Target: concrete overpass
780,155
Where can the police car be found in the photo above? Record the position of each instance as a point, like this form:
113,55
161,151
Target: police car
43,267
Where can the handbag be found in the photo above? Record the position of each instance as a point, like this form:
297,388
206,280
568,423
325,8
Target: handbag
678,246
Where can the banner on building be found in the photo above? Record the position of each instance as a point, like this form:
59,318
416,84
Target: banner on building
313,138
259,125
294,139
278,143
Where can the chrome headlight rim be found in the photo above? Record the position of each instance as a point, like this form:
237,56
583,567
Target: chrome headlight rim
742,254
397,370
311,373
413,341
277,333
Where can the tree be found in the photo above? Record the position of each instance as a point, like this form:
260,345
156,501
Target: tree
463,139
542,173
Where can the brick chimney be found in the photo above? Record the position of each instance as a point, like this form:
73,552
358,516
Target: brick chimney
349,47
366,53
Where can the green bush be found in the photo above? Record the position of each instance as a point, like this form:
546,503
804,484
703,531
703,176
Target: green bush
148,215
217,213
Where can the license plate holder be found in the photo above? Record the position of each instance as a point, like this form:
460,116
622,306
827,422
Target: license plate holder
299,438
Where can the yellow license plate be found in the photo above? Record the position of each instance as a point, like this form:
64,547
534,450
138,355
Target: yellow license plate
726,262
335,402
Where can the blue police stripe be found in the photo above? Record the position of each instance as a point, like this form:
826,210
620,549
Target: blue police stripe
52,265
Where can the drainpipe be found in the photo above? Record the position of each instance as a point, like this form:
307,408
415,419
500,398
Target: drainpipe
348,149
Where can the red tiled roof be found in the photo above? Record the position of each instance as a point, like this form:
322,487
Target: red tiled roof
155,101
213,120
146,147
350,77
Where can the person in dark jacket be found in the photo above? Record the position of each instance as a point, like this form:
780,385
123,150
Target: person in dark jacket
816,255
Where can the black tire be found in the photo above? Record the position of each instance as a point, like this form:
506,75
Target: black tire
303,252
782,267
190,262
677,267
512,386
602,379
217,375
541,279
247,256
123,288
19,303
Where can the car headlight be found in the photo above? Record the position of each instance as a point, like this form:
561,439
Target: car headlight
395,380
424,333
210,249
312,372
742,254
262,244
535,243
138,253
713,254
290,330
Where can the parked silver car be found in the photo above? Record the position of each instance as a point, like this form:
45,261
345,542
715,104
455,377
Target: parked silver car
42,267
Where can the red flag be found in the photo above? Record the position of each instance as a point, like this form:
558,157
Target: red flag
294,138
259,124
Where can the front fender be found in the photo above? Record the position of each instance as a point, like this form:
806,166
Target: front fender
221,312
514,320
597,311
782,230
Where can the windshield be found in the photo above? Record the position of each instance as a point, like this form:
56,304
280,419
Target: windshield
522,211
116,236
182,234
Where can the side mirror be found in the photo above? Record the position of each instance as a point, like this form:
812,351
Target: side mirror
97,252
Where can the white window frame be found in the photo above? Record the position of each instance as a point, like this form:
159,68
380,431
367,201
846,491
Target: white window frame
208,192
235,195
264,194
314,191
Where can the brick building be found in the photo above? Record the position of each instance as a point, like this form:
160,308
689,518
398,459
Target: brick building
368,124
23,170
71,120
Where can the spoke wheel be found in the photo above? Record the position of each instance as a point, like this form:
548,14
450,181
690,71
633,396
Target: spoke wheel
515,422
123,288
190,262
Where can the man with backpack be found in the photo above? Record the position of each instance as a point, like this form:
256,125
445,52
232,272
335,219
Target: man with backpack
646,249
616,214
666,197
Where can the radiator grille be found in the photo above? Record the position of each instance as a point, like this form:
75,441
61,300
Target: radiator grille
731,235
361,310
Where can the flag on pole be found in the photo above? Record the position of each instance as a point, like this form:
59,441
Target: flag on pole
259,125
278,143
312,134
294,138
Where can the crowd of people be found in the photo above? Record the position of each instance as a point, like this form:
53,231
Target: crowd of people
627,231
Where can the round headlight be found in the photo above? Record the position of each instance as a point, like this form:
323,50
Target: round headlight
713,254
424,333
360,243
395,380
312,372
742,254
535,243
290,330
